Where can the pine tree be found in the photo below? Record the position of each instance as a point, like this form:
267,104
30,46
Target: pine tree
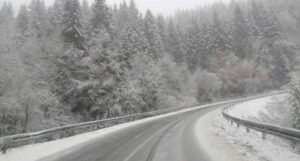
101,17
134,23
219,36
279,67
154,46
161,26
241,34
6,15
297,14
6,26
193,40
55,14
130,34
133,14
122,15
271,28
266,25
255,16
72,24
173,44
23,21
86,14
207,45
38,18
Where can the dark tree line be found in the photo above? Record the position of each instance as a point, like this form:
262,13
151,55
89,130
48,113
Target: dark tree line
73,62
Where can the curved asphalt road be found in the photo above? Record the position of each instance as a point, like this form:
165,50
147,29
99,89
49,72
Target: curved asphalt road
166,139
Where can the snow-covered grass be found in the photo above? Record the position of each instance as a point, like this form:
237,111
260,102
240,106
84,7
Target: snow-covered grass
271,109
250,109
225,142
40,150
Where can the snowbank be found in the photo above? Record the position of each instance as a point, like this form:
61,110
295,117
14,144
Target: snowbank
262,109
225,142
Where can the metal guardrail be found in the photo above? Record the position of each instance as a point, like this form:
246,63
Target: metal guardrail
18,140
279,131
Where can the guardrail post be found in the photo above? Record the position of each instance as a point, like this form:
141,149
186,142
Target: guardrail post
237,125
247,129
5,144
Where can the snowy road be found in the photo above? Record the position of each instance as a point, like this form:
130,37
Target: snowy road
166,139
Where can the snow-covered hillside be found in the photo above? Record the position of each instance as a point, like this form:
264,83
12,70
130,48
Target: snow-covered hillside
272,109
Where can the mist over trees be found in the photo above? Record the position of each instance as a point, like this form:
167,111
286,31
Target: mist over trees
73,62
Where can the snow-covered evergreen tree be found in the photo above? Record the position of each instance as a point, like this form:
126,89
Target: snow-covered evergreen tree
23,21
38,18
101,17
219,37
193,40
241,37
162,29
55,14
265,24
154,46
86,14
6,27
173,44
72,24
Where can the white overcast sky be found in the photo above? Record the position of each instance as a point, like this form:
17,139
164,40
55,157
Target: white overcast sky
165,7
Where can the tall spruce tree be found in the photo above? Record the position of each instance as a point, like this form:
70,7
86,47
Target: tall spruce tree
38,18
206,45
173,44
133,14
23,21
55,14
101,17
72,24
154,46
241,34
6,26
193,40
86,14
218,35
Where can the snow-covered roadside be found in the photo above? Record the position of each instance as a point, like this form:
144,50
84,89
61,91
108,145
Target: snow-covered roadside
40,150
250,109
271,109
225,142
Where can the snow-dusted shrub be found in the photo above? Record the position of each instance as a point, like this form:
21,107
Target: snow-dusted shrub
209,86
